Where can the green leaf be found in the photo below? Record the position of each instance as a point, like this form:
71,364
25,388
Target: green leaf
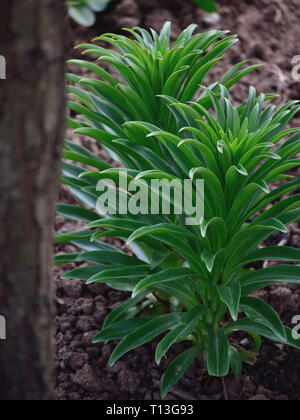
252,327
235,362
170,235
231,295
65,258
260,312
84,273
126,310
265,277
185,327
274,253
94,68
217,347
177,369
271,223
144,334
119,273
72,212
109,257
164,276
120,329
180,291
68,237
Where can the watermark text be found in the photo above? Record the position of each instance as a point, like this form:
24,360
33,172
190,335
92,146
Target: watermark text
2,67
296,329
155,197
2,328
296,68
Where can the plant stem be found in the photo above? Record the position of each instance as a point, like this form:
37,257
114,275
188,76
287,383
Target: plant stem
225,389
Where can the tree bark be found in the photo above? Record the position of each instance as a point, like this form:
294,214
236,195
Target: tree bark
32,114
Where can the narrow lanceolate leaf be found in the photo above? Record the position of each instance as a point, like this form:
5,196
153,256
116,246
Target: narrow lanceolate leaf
177,369
144,334
185,327
120,273
217,348
274,253
65,258
120,329
269,276
109,257
127,309
181,291
164,276
72,236
72,212
260,312
235,362
231,295
84,273
253,327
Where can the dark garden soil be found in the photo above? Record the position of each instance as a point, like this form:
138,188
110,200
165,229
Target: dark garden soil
268,32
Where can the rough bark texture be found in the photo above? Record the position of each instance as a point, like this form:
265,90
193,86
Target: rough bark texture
31,129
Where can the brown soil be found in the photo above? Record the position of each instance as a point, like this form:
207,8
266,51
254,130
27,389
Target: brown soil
268,30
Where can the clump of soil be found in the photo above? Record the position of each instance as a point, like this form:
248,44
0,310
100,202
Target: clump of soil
268,31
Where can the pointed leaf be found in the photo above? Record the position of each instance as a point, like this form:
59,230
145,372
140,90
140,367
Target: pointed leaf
260,312
185,327
144,334
164,276
235,362
265,277
217,347
231,295
177,369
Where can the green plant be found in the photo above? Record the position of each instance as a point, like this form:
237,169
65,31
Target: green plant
208,5
83,11
185,280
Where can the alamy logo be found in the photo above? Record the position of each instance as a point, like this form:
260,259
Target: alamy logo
296,68
296,329
2,328
2,67
159,196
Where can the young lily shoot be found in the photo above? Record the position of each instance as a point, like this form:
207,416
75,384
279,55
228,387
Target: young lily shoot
199,186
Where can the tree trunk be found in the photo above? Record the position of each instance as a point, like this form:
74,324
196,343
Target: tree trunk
32,113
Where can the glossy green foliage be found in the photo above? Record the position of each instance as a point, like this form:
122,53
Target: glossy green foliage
159,122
